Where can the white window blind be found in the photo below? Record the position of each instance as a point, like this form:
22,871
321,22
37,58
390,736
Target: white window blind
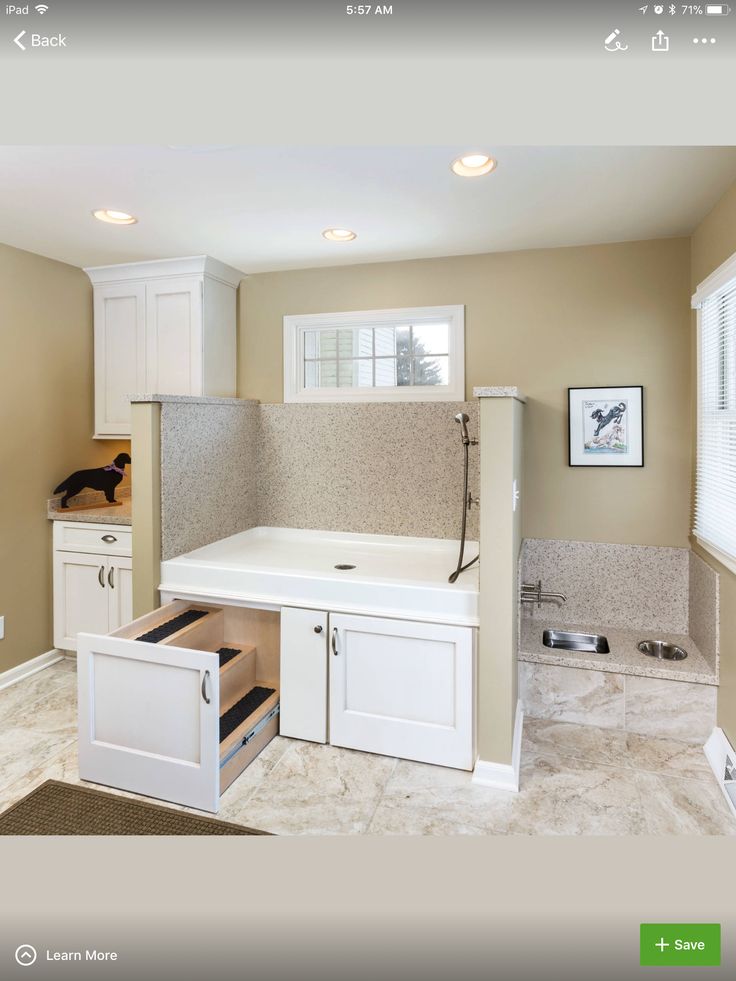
715,486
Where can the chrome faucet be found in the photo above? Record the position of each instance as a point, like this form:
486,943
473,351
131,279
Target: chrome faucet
532,593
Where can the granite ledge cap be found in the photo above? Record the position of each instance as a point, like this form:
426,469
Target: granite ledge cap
499,392
194,399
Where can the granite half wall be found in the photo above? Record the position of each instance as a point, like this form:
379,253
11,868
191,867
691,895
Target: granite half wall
208,472
380,468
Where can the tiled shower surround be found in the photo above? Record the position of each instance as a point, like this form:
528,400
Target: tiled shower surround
629,593
381,468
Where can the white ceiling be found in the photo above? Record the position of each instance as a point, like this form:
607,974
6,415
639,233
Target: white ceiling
264,208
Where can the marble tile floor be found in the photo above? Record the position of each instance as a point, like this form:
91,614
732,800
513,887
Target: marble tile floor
575,780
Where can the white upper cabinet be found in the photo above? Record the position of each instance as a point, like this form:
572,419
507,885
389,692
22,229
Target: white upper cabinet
166,327
174,354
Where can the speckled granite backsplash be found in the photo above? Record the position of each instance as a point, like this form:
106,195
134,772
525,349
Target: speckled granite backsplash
626,586
383,468
630,587
380,468
208,473
704,608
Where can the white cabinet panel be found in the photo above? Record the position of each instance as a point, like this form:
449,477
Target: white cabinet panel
304,674
218,368
402,689
120,355
93,591
174,336
149,719
80,597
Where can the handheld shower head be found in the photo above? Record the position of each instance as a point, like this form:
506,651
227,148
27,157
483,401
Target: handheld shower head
463,419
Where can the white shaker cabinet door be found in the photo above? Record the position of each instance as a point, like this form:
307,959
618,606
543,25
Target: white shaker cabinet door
402,689
149,719
303,674
119,579
120,354
80,597
174,336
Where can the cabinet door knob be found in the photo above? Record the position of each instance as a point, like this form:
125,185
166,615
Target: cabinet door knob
109,538
110,577
205,679
334,641
101,576
318,630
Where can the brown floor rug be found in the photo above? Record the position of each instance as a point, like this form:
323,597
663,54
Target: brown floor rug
57,808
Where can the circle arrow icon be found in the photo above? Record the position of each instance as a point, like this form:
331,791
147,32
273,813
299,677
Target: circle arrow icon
26,955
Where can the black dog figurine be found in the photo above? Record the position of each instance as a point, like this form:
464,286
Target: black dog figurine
102,479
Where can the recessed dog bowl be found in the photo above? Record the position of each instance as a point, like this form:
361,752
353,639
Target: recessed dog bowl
567,640
662,650
343,566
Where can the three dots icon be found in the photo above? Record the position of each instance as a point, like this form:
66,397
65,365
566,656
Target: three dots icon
704,40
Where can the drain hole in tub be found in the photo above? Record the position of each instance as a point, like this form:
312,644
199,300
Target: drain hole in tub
662,650
344,566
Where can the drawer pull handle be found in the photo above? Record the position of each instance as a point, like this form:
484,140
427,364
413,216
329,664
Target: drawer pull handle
334,641
318,630
110,577
101,576
109,538
204,687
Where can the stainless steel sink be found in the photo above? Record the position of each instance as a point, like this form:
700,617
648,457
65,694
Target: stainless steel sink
662,650
567,640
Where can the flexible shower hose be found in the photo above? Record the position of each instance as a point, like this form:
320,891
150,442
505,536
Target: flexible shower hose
460,566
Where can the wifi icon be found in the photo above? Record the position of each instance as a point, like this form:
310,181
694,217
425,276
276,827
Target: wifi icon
42,8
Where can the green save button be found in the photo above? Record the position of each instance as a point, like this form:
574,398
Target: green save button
685,944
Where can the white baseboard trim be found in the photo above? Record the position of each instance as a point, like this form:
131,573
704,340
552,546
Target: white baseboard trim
503,776
718,752
27,668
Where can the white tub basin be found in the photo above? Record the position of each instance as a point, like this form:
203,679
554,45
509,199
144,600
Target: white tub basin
274,567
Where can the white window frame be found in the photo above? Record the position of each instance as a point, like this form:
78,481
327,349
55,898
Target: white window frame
718,279
296,325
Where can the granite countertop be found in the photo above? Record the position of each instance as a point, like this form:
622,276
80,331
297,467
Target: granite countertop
192,399
498,392
102,516
624,658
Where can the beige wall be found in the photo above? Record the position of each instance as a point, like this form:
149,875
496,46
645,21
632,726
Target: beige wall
542,320
713,242
45,431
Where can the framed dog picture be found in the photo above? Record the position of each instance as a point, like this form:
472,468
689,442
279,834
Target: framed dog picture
606,426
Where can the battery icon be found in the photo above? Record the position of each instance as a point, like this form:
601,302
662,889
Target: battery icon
717,9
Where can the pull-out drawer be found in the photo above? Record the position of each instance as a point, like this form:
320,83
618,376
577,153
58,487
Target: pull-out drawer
176,704
71,536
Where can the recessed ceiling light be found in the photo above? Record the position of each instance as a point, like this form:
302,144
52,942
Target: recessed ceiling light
114,217
339,234
473,165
